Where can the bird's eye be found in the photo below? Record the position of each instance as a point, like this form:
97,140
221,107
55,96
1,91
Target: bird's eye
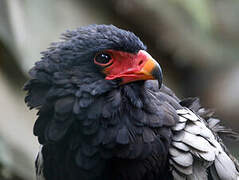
103,59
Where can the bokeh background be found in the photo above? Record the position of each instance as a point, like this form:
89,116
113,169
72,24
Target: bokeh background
195,41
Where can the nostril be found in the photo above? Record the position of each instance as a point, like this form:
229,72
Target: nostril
140,62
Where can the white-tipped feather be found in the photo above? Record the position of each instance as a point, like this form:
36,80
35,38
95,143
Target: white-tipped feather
193,129
184,170
184,159
179,126
196,142
180,145
191,116
225,167
182,119
208,156
182,111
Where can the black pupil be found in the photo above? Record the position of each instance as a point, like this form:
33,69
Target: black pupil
103,58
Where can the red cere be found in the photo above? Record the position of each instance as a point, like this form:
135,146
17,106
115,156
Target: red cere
124,65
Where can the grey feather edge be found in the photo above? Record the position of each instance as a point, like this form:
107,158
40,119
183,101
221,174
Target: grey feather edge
39,165
195,149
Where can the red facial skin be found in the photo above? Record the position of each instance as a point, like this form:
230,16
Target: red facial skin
128,66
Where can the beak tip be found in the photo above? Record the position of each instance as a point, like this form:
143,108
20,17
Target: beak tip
157,74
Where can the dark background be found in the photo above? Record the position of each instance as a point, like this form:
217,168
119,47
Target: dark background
196,43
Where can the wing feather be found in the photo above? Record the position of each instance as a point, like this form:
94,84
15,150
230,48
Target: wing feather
195,148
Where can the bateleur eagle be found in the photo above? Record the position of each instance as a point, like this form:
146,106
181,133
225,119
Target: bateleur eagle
104,114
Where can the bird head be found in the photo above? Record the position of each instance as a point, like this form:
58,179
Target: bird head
93,59
117,54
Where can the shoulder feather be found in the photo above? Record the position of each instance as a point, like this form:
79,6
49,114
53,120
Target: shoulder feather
195,148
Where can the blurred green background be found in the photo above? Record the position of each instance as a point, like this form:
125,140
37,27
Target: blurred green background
195,41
